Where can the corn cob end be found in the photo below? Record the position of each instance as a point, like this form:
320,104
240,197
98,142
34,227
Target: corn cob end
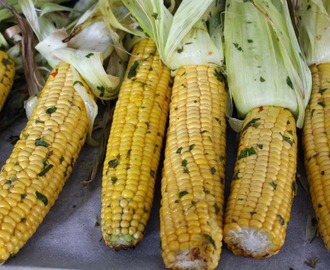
252,242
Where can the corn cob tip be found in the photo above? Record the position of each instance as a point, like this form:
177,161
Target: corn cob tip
190,259
122,241
250,242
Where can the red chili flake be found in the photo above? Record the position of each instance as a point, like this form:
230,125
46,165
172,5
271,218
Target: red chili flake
261,108
54,73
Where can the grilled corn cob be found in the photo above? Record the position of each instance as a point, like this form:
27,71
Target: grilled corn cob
41,161
316,145
7,74
263,183
194,170
133,149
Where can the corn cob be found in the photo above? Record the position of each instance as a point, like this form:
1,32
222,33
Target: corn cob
191,212
133,149
41,161
263,183
7,74
316,145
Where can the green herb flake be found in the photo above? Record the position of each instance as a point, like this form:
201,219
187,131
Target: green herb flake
209,239
235,175
133,70
113,163
213,170
41,142
251,123
191,147
287,139
289,82
184,163
281,220
274,185
23,220
42,198
321,91
51,110
89,55
294,187
182,193
239,48
250,40
216,208
219,75
113,179
101,89
247,152
77,82
46,169
179,150
312,262
23,196
10,181
262,79
179,50
152,173
155,15
260,146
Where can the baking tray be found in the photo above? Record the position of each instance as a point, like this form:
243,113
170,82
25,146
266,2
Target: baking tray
70,237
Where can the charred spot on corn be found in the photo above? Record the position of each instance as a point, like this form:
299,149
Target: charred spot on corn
246,152
132,71
51,110
42,197
41,142
182,193
23,220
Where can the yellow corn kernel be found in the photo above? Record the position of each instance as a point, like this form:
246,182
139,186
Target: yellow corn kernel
259,205
7,74
36,179
191,212
134,145
316,146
